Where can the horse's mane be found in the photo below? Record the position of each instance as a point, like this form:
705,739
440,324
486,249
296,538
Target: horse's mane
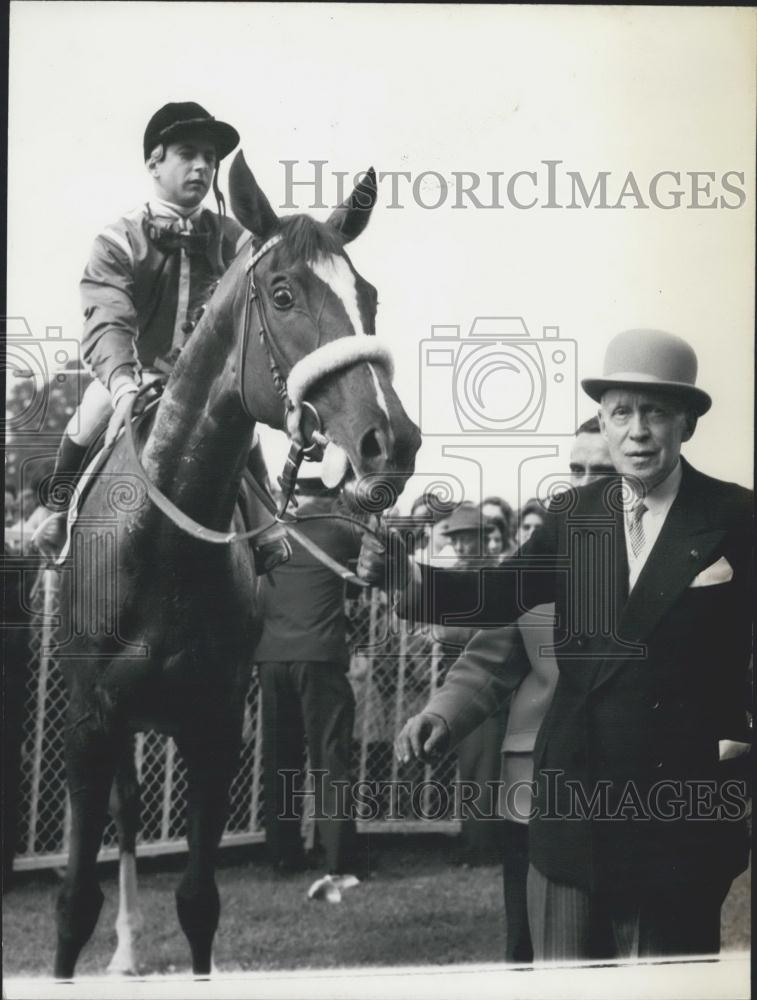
306,239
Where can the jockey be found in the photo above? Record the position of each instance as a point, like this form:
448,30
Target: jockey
147,281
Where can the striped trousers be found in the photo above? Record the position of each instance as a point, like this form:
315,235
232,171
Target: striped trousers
570,923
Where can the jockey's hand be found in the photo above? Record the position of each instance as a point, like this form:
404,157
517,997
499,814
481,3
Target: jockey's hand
424,736
385,562
122,396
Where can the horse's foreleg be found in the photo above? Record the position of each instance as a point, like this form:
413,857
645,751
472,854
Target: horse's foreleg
124,808
210,768
90,763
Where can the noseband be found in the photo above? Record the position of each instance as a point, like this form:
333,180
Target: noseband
306,443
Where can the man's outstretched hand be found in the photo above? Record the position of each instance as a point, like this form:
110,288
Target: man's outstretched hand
384,562
424,736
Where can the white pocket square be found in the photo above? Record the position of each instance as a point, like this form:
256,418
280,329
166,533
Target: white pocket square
719,572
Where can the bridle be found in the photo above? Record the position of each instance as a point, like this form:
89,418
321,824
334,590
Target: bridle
304,445
299,449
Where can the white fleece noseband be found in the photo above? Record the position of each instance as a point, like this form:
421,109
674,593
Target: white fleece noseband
324,361
330,358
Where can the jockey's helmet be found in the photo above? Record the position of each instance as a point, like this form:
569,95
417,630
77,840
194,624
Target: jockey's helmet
179,119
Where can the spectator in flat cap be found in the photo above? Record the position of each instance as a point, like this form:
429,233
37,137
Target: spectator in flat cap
430,511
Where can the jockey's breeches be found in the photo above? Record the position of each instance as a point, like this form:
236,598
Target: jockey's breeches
94,412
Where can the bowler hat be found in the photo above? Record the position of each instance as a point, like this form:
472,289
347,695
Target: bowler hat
179,118
650,359
465,518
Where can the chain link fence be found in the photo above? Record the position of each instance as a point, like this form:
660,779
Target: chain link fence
393,669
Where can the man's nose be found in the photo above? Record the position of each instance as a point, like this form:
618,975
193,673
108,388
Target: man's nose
639,427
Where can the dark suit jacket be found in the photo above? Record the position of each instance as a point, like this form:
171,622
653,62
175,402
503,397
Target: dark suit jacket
648,682
302,601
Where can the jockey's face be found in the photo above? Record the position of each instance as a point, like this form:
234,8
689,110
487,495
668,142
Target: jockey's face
184,175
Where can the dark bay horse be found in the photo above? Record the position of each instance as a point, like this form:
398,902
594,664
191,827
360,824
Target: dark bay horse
166,621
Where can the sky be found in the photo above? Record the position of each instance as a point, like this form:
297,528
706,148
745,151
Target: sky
434,91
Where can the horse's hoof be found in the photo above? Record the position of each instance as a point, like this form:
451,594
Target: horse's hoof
122,967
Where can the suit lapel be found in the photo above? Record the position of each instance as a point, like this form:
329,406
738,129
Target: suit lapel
620,563
683,548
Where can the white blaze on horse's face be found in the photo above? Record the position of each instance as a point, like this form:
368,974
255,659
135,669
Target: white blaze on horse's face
334,271
379,391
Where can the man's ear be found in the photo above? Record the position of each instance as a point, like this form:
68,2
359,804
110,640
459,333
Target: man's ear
602,427
156,156
690,425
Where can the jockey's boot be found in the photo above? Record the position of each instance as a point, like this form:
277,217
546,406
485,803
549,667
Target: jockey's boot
51,534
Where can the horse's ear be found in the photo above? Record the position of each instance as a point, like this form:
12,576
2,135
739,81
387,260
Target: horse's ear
249,204
352,216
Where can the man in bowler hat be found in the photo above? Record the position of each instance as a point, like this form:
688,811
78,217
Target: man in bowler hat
634,839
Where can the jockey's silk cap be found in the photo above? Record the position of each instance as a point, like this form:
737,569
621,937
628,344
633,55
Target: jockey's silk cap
650,359
185,118
465,518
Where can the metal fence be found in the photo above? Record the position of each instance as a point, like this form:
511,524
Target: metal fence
393,669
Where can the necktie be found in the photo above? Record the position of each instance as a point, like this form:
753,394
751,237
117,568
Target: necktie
182,305
636,528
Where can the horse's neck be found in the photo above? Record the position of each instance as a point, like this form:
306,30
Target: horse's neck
200,439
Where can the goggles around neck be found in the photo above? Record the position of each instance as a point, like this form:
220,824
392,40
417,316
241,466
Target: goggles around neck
169,237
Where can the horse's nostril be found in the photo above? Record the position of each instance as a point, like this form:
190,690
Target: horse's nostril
371,445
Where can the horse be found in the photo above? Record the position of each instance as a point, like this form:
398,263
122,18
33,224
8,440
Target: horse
167,619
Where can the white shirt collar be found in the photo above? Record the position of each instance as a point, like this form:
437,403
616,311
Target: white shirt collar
660,499
163,208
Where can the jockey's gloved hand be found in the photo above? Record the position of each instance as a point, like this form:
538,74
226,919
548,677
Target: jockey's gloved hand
122,389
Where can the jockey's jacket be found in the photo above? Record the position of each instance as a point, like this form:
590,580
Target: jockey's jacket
147,279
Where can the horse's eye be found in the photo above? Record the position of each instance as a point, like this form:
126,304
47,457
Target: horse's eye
283,298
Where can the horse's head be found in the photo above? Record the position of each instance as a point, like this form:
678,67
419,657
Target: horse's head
311,321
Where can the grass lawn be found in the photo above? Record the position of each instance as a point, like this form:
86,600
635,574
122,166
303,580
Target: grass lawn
419,907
